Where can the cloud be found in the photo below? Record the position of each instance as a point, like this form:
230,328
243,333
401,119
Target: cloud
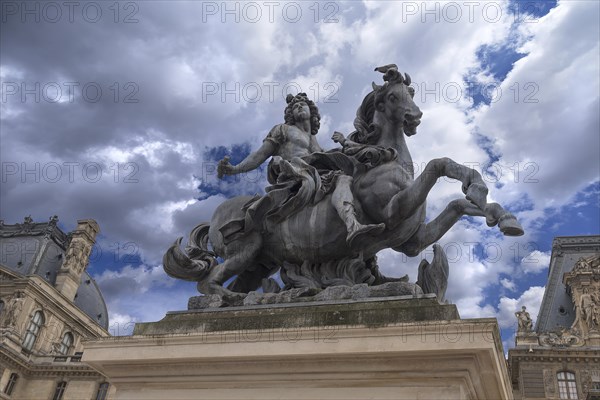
535,262
508,284
140,293
545,122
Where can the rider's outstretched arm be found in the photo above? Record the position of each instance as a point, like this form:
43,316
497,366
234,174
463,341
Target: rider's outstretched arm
253,161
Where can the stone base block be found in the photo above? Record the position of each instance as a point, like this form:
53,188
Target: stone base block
380,349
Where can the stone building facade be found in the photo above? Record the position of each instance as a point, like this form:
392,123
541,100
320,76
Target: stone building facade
49,305
560,359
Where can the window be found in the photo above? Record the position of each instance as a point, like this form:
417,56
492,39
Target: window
567,386
60,390
12,381
65,344
1,306
102,391
33,330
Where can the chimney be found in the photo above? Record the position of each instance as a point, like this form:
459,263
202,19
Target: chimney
77,257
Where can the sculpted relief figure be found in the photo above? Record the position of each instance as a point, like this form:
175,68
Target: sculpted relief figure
12,310
327,212
589,305
524,321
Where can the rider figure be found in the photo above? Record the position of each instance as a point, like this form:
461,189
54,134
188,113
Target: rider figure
296,138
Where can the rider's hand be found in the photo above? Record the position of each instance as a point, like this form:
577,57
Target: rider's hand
224,168
339,138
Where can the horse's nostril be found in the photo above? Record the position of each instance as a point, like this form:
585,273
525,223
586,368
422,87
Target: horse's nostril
413,117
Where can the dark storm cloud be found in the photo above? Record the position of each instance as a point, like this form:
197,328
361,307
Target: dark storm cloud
128,62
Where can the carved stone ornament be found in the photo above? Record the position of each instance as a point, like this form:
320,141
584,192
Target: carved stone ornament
12,310
562,338
549,382
588,264
326,214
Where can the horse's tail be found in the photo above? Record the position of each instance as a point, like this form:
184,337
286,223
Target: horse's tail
193,264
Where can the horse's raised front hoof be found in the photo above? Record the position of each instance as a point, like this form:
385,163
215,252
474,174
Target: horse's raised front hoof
477,194
509,225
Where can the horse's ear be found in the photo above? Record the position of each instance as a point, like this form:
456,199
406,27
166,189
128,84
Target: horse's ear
407,79
376,87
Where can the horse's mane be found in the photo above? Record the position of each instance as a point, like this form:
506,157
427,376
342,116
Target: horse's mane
366,132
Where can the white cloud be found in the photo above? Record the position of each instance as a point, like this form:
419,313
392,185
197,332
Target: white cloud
136,279
140,293
121,324
508,284
535,262
549,128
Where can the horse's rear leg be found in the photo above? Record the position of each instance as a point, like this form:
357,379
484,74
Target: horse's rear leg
239,255
431,232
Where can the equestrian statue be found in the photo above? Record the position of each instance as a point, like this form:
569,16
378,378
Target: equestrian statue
326,214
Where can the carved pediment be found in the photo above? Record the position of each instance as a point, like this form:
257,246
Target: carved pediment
562,338
7,275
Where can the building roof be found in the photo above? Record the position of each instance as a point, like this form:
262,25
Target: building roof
557,310
39,248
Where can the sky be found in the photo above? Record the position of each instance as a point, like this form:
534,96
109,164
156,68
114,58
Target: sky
119,111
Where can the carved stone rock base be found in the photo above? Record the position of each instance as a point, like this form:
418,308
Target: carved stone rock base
302,295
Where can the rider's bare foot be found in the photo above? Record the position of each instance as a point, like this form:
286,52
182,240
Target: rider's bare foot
362,231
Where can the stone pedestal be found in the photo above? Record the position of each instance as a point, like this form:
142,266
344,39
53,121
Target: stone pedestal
391,348
526,339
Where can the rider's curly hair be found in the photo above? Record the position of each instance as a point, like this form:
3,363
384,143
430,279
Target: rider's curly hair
315,117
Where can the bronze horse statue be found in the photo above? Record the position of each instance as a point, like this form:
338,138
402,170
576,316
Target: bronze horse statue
388,193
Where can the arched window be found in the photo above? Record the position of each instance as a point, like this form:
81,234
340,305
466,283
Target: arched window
567,385
1,306
33,330
102,391
65,344
60,390
12,381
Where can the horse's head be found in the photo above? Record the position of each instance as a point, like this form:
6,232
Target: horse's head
394,99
